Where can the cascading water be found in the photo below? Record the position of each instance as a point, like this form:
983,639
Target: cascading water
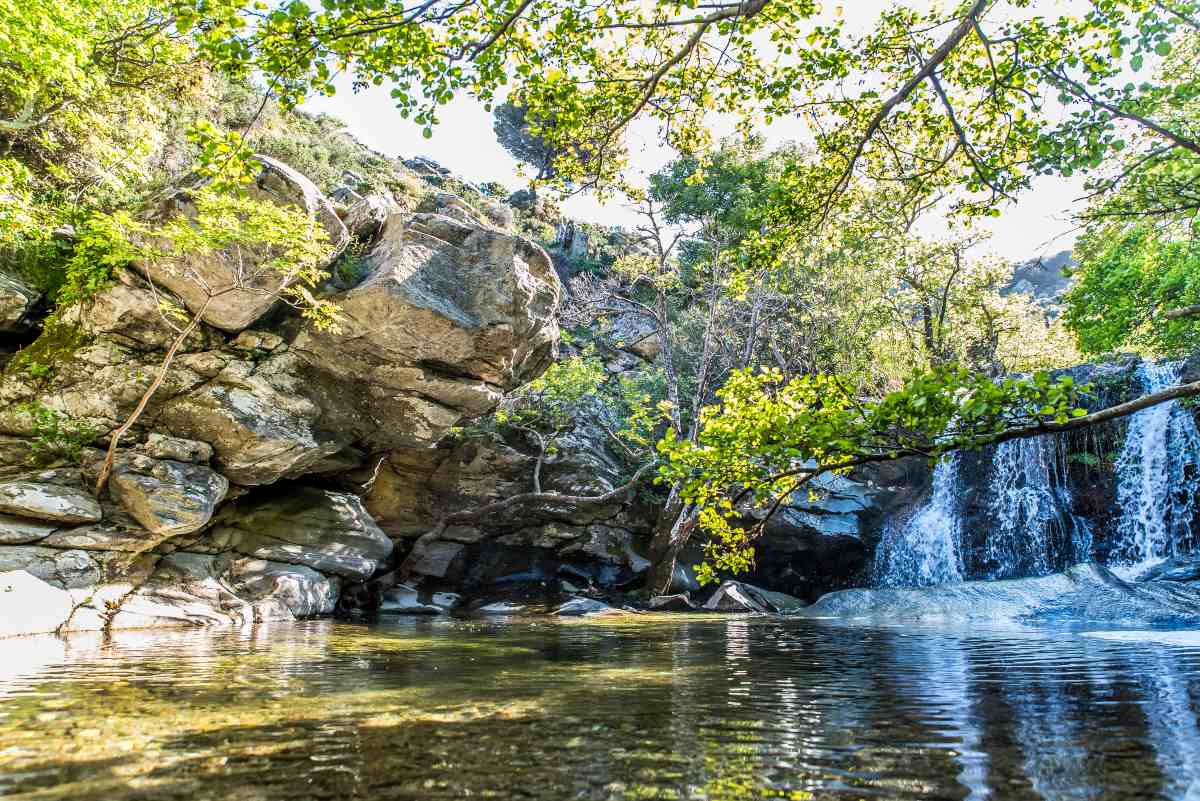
1034,530
1028,527
1158,474
924,549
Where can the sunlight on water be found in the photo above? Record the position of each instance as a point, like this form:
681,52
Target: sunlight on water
654,708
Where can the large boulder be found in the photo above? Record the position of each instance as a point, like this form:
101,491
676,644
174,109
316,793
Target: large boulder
366,215
235,289
451,315
635,333
280,590
736,596
17,303
259,418
167,497
327,531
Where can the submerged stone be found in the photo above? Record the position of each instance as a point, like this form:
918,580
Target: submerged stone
1083,593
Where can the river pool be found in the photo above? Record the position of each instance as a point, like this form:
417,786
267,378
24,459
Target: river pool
637,707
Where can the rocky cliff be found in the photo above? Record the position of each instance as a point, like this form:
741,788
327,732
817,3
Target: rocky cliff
230,501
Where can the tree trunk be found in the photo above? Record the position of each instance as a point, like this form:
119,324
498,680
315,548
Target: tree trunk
675,524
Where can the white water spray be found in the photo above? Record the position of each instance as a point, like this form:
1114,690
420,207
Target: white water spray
1158,474
1035,531
924,549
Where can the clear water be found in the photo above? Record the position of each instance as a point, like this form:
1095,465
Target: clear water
923,550
649,707
1158,476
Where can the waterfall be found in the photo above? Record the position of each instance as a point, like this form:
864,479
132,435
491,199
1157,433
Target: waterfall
924,549
1034,531
1028,527
1158,474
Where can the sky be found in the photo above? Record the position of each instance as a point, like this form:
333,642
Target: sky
1037,225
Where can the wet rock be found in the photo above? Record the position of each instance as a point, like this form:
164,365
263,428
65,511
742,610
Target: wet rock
672,603
734,596
166,497
501,608
183,590
240,291
327,531
17,303
404,599
1183,569
279,590
49,500
1088,592
586,607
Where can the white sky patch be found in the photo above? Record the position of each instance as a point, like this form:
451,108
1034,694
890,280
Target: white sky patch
1037,225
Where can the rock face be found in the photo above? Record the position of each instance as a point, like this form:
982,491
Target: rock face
451,315
221,508
234,290
329,532
602,547
17,302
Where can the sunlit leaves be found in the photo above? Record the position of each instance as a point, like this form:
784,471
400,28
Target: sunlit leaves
767,437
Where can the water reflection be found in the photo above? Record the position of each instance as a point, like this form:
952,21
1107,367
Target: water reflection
651,708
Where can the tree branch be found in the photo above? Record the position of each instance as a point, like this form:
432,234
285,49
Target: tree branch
965,26
1188,390
1180,313
1081,91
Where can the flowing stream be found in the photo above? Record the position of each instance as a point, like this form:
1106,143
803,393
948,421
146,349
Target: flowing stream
641,707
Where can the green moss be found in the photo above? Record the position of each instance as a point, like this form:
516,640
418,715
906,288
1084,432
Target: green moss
57,343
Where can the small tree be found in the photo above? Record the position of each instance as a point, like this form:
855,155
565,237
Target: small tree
514,135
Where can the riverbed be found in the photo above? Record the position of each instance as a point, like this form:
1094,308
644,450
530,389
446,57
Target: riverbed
634,707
